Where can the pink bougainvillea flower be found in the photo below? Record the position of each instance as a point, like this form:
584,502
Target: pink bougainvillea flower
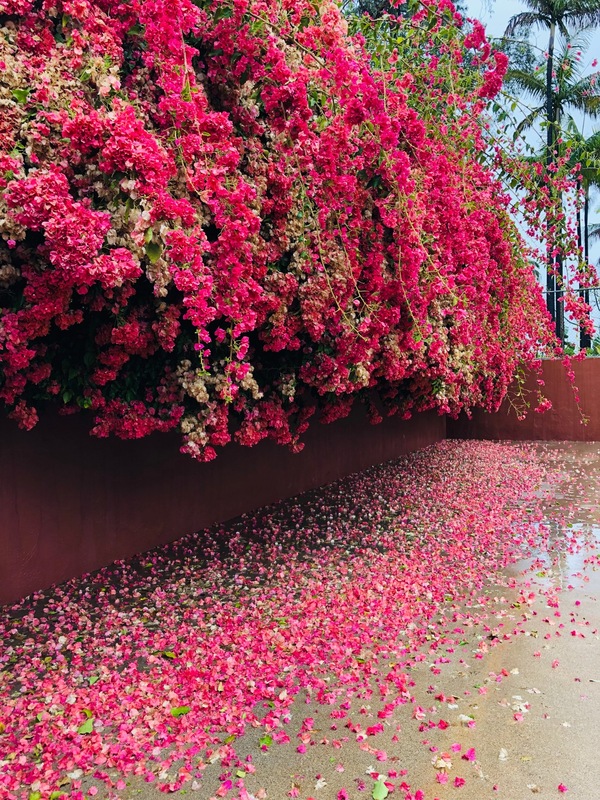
240,222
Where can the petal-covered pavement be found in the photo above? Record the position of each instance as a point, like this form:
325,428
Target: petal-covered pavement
425,629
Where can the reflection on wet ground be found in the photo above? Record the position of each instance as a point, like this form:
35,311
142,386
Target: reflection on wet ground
424,670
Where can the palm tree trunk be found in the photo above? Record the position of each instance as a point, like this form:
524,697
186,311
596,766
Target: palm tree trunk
579,225
551,267
585,340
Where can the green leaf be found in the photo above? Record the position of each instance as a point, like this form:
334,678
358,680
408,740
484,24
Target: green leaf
168,654
186,96
87,727
229,739
93,679
240,773
223,13
87,712
180,711
21,95
380,790
266,740
153,251
67,396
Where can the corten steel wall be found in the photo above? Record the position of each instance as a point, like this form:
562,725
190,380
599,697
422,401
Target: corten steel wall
70,503
562,422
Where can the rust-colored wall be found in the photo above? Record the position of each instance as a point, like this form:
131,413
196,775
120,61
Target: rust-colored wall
562,422
70,503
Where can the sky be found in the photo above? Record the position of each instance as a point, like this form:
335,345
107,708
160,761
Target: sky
494,13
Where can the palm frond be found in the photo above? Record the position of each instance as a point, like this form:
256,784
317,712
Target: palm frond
592,144
530,83
583,15
562,27
586,153
526,20
582,95
530,120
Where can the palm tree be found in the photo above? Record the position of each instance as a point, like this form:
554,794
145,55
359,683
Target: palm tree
571,92
555,16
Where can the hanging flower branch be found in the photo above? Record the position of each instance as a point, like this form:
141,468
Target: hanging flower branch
224,216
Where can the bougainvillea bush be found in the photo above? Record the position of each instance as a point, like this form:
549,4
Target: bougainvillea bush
224,215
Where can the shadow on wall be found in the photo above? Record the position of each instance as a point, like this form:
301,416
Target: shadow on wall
70,503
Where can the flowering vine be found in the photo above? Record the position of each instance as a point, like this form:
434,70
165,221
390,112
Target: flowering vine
224,217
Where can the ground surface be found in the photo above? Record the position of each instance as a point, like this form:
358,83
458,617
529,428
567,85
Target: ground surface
428,629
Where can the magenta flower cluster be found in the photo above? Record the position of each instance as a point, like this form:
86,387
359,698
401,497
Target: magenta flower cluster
226,216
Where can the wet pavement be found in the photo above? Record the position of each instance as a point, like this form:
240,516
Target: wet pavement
500,699
529,705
